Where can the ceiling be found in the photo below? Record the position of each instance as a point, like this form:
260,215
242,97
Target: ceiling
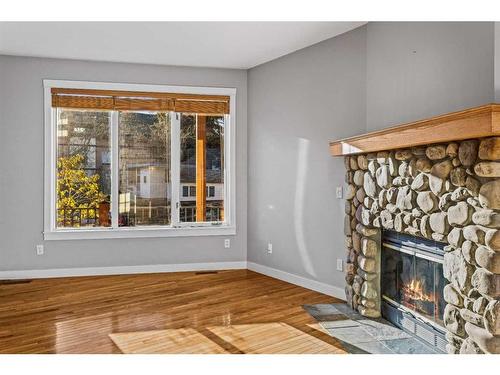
240,45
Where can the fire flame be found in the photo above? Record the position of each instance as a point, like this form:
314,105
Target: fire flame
415,291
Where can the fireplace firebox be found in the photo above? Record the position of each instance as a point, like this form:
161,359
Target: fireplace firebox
412,284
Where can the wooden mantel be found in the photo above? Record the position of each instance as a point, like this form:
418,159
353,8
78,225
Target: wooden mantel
477,122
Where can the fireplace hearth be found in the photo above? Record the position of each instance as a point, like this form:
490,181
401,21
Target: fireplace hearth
412,284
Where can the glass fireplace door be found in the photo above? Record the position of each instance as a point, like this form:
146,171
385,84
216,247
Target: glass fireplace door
414,281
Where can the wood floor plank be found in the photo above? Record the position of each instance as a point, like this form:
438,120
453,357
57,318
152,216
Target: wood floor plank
237,311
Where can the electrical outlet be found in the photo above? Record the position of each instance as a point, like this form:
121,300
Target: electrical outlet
269,248
227,243
39,250
340,265
338,192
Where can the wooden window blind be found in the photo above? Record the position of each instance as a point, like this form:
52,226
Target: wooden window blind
139,101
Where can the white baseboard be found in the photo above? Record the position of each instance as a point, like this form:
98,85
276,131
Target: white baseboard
184,267
120,270
298,280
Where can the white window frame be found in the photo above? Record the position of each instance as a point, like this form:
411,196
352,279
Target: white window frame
176,229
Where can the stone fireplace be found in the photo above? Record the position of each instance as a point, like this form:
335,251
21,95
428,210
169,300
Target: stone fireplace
440,204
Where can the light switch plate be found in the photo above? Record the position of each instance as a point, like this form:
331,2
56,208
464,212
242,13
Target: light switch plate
338,192
340,265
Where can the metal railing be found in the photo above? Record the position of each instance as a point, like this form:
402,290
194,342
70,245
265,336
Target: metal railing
78,217
143,215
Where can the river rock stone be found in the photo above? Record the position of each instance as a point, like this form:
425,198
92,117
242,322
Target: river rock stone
358,177
366,231
369,248
487,169
386,219
360,194
488,259
439,223
474,233
420,182
442,169
350,191
369,276
347,225
367,264
452,150
403,155
486,282
372,167
469,252
460,194
393,165
455,237
383,177
369,185
412,168
489,149
471,317
403,169
492,317
453,321
489,195
492,239
472,185
425,227
435,152
451,295
480,304
427,201
436,184
368,290
353,163
467,152
457,270
382,156
423,165
362,162
458,176
484,339
369,303
487,218
391,195
460,214
470,347
356,285
356,241
445,201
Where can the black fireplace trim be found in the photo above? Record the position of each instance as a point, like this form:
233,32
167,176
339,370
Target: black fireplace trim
422,244
408,322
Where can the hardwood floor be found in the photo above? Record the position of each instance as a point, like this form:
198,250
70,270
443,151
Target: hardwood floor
236,311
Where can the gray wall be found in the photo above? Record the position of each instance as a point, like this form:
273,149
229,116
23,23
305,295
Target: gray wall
422,69
296,105
21,169
366,79
497,62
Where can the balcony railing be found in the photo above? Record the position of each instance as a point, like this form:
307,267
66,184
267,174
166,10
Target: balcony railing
155,215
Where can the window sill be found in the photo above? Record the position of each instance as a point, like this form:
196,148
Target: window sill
95,234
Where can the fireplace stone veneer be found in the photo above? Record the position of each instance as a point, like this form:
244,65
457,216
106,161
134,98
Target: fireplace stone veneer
446,192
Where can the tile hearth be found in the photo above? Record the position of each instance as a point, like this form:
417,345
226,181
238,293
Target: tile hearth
362,335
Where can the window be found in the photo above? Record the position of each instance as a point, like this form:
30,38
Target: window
138,160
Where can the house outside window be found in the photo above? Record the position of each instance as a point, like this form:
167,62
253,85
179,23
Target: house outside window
138,160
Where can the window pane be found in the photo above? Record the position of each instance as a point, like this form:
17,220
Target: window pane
83,169
144,185
205,134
